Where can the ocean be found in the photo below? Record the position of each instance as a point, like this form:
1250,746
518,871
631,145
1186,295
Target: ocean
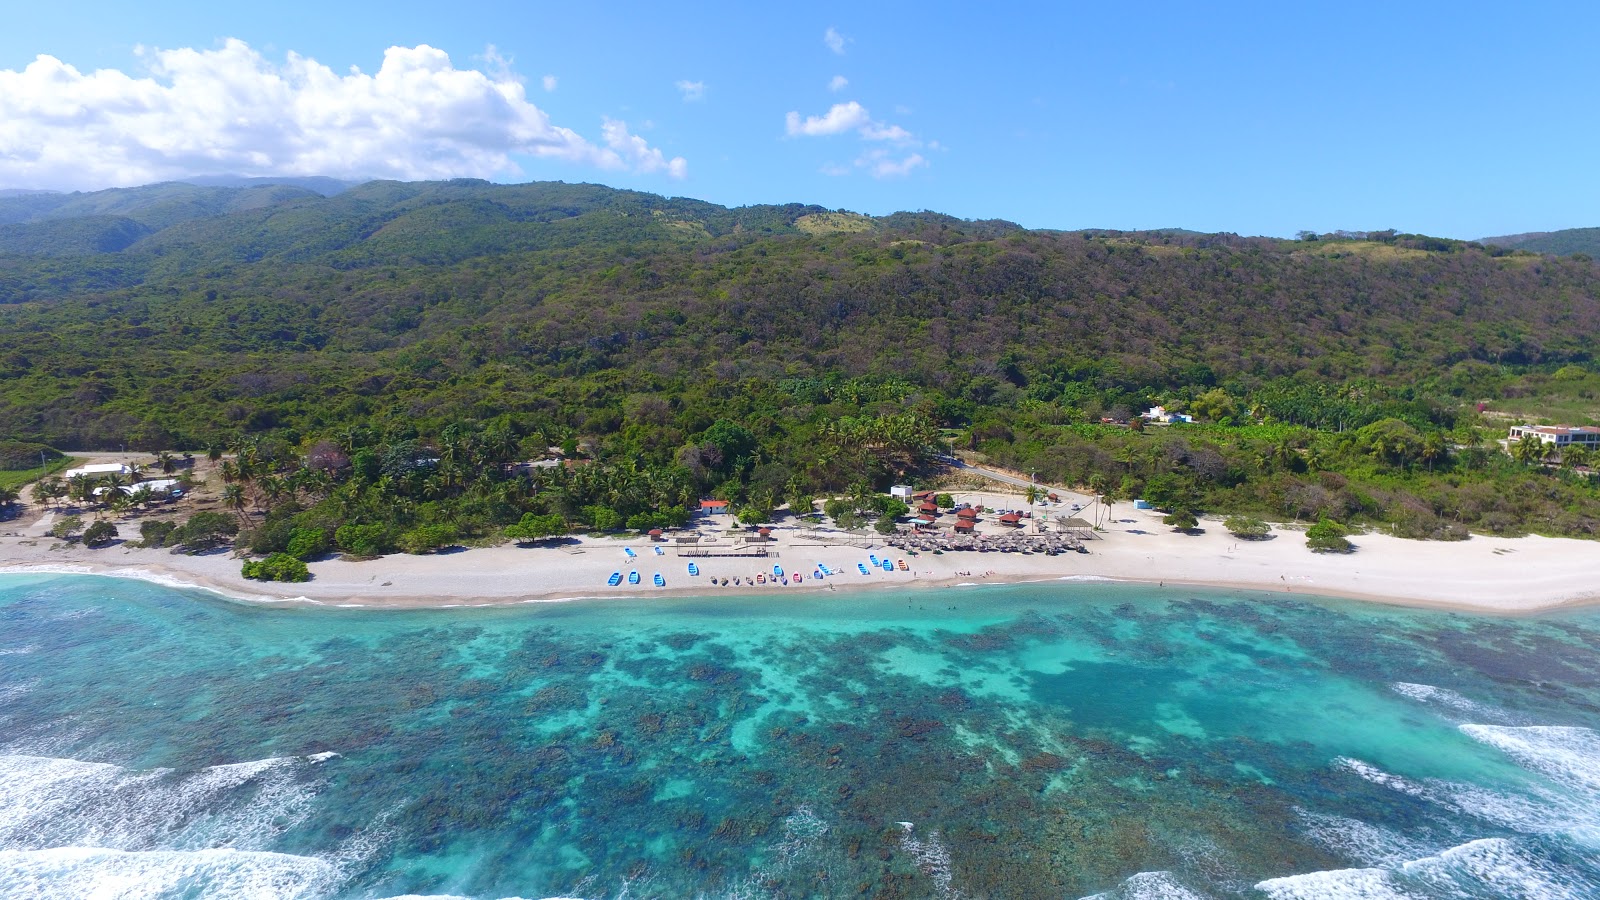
1057,740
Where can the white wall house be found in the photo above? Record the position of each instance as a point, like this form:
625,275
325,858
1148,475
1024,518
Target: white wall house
1559,435
98,471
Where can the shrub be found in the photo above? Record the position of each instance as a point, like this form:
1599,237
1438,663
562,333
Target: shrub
1328,536
99,534
277,567
307,543
427,538
944,501
204,531
363,540
67,529
154,532
1182,519
1245,527
884,525
533,528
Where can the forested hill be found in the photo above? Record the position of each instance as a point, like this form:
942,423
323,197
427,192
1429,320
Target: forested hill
180,314
1555,243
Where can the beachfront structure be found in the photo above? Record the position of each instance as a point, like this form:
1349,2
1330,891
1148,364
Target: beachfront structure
98,471
1160,414
1559,436
713,507
901,492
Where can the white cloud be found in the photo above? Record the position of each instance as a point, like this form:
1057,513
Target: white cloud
874,131
692,90
842,117
838,83
231,111
834,40
637,154
834,169
880,164
549,83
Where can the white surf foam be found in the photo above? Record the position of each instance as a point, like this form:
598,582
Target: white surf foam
1568,756
932,856
1451,700
1367,844
19,651
74,873
1336,884
1149,886
10,692
1492,867
50,802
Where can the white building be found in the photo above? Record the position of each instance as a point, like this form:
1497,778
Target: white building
901,492
1560,435
98,471
1160,414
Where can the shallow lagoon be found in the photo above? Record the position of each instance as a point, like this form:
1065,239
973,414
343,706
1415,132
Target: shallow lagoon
1056,740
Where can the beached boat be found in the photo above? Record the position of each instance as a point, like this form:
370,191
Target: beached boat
862,567
904,567
797,578
760,578
629,551
660,582
615,579
694,569
777,572
633,577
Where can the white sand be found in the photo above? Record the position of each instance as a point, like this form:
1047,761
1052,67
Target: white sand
1503,575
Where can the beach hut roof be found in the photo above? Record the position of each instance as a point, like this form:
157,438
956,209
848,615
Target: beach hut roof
967,513
1011,517
965,525
713,504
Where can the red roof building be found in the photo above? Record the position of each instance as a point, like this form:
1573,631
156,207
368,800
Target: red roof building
714,506
1012,519
965,525
966,512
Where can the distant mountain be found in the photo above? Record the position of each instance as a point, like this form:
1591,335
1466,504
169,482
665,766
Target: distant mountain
323,185
1555,243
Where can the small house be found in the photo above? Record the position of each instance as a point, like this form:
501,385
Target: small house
655,535
967,514
1012,519
901,492
965,526
714,507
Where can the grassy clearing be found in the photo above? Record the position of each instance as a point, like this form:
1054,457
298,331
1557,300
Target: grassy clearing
16,478
829,223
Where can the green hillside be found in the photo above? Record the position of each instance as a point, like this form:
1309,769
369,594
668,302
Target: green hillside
629,325
1555,243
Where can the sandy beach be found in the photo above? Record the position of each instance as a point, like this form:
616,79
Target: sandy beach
1483,574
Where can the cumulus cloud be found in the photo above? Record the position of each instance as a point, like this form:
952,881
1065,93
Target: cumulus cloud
881,164
231,111
691,90
834,40
549,83
638,155
841,118
838,83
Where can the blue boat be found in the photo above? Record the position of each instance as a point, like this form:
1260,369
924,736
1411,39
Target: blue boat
660,552
874,558
615,579
694,569
629,551
817,575
777,572
888,566
633,577
862,568
660,582
824,569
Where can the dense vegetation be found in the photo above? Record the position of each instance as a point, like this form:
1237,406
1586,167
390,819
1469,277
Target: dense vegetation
382,358
1557,243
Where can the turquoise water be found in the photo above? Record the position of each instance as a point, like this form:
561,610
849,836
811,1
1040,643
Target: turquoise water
1053,741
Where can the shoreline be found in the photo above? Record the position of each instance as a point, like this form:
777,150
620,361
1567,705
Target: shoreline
1515,576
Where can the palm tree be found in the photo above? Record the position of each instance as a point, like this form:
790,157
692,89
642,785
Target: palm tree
1434,449
8,496
1575,456
1528,450
234,497
167,463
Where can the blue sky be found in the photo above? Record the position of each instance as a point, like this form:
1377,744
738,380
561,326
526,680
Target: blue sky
1452,119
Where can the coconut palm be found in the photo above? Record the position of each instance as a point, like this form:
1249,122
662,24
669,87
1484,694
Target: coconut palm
1575,456
1528,450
